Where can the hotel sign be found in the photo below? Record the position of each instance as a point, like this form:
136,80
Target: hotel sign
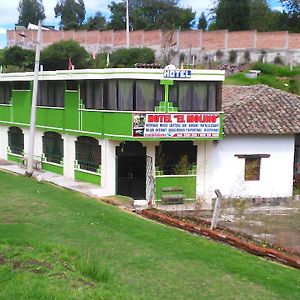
169,73
176,125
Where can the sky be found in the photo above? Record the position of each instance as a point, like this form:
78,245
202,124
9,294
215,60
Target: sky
10,14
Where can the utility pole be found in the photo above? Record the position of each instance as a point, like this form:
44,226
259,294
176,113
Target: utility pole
30,156
127,25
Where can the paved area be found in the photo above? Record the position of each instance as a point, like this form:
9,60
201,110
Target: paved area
82,187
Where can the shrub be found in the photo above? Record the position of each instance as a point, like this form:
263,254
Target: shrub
232,56
55,56
129,57
219,54
247,57
278,60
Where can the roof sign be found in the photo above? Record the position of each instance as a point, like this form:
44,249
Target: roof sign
170,71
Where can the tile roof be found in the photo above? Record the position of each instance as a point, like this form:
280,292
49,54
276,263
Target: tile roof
260,109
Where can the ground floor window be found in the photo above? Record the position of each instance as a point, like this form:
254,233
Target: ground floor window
53,147
88,153
16,140
175,158
252,165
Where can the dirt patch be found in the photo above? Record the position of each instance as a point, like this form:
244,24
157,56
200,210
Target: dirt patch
223,236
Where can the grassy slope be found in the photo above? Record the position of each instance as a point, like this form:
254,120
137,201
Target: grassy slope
271,75
56,244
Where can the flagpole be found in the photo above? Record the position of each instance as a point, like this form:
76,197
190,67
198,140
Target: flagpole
30,156
127,25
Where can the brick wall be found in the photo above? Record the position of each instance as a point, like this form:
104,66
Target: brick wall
180,41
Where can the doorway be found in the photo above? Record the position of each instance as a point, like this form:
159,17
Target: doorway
131,170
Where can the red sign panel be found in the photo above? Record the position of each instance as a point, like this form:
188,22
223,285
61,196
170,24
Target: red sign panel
176,125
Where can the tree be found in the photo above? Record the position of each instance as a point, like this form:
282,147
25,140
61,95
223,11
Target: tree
71,12
233,15
128,57
57,55
150,15
292,8
22,58
98,22
260,15
31,11
202,24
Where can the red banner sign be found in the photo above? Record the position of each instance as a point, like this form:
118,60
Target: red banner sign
176,125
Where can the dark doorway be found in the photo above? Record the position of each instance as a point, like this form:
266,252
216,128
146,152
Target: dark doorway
131,170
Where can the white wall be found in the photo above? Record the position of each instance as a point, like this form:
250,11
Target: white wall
3,141
276,172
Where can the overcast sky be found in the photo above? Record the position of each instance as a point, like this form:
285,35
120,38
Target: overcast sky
9,12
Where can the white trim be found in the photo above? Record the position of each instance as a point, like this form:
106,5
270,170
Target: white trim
51,107
120,73
52,163
118,135
50,127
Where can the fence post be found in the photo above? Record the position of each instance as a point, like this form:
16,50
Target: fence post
217,209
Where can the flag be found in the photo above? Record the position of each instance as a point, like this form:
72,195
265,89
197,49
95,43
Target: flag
94,55
70,65
107,59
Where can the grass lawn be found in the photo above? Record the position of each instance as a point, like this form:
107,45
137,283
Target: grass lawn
57,244
279,77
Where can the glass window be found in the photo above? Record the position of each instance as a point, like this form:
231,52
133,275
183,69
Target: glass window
88,153
5,92
91,93
175,158
125,94
16,140
53,147
72,85
21,85
51,93
252,168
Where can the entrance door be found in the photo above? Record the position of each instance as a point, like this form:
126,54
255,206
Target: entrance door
131,170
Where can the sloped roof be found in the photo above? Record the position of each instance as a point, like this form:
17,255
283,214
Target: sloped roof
260,109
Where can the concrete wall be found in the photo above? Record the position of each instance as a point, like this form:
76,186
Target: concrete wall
202,45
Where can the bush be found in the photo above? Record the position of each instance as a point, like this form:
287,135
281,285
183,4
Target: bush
275,70
129,57
22,59
247,57
219,54
278,60
56,56
232,56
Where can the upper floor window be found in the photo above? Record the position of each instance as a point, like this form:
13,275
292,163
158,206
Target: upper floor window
195,96
5,92
16,140
121,94
21,85
51,93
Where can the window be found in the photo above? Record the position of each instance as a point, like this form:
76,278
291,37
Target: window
252,165
51,93
194,96
16,140
91,93
88,153
72,85
5,92
21,85
175,158
252,169
53,147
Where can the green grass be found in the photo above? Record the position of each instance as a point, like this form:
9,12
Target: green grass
57,244
279,77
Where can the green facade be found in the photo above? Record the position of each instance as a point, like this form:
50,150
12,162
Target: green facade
89,177
186,182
